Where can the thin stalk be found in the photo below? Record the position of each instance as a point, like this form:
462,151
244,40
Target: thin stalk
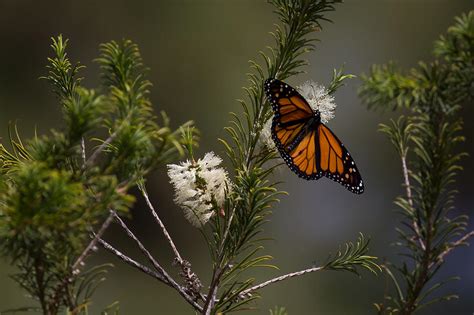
278,279
131,261
104,144
99,150
39,276
219,269
406,177
455,244
93,242
157,266
209,304
83,151
421,276
178,257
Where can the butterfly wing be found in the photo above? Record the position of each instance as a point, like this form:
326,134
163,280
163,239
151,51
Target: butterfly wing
302,158
336,162
290,129
291,111
288,105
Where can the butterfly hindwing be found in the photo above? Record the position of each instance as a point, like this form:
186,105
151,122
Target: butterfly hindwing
302,158
287,136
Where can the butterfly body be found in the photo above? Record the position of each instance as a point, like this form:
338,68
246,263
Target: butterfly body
309,148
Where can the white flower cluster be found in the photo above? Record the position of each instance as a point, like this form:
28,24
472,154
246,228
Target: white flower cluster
199,187
319,99
266,134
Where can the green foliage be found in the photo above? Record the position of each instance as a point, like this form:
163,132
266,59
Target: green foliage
83,113
136,142
457,49
86,283
352,257
338,79
112,309
53,191
62,74
386,88
427,142
44,224
278,310
38,201
9,160
400,134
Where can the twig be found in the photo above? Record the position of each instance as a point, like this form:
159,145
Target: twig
210,301
179,259
158,267
83,151
93,242
211,298
280,278
226,233
104,144
131,262
39,278
137,241
455,244
75,269
218,272
101,148
410,200
193,283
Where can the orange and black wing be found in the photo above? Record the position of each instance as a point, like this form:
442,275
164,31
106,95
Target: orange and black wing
335,161
291,111
302,158
290,129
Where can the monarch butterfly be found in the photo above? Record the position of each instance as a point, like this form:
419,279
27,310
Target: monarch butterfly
308,147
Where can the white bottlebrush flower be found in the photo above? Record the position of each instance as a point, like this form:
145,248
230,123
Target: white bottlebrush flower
266,134
319,99
199,187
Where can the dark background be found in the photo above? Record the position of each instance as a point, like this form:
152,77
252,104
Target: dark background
198,53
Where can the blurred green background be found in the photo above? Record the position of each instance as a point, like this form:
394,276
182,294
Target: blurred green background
198,53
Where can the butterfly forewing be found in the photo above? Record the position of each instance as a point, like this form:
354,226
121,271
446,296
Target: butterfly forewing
290,132
336,162
291,113
288,105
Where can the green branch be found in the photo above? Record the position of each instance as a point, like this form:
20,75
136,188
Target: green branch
427,143
53,193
